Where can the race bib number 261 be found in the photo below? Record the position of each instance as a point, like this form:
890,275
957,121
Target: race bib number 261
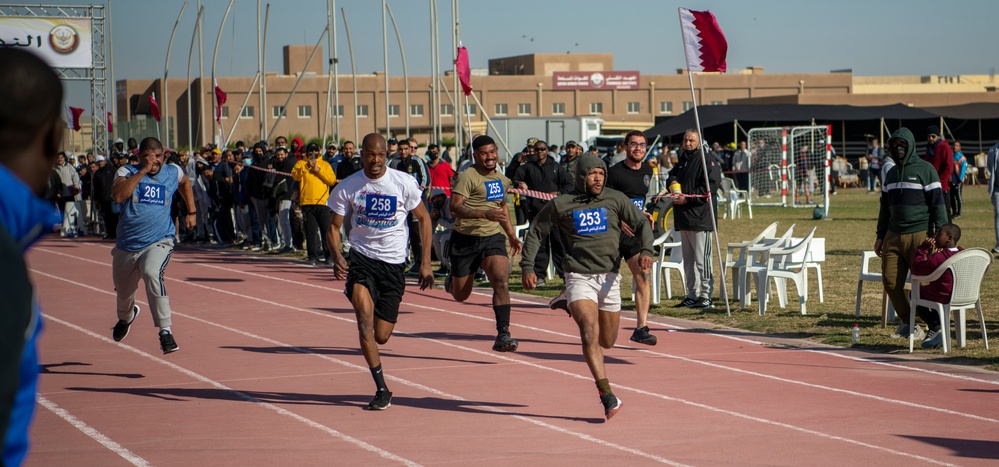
152,193
590,221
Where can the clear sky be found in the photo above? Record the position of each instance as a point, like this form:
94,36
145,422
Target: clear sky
872,37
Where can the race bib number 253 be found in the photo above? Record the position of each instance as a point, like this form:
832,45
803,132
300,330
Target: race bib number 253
590,221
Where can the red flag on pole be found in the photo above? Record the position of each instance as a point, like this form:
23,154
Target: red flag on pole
464,72
220,97
75,113
110,126
703,41
154,106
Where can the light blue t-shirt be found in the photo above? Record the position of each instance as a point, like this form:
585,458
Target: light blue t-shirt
145,217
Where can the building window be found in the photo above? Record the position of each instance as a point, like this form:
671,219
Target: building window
634,107
416,110
523,109
394,110
687,105
362,110
469,109
716,102
500,109
596,108
447,110
225,111
247,112
558,108
665,107
278,111
305,111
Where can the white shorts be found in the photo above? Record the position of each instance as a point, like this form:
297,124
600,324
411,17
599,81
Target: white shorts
603,289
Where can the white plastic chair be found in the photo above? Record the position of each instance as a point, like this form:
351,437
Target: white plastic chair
967,267
735,199
866,275
780,267
521,232
735,255
755,264
661,268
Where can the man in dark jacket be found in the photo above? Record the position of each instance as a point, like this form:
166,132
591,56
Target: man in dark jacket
590,219
941,157
103,179
259,196
912,208
542,173
692,218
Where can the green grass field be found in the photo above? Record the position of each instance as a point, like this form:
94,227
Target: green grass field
849,230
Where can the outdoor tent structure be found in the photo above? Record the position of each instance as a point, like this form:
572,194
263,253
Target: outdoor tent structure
975,125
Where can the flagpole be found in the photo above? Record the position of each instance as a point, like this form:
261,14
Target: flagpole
405,73
704,167
215,135
353,74
166,69
190,53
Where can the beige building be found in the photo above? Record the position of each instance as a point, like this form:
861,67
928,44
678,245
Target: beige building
520,86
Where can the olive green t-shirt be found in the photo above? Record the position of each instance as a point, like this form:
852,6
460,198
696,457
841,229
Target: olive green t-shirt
483,193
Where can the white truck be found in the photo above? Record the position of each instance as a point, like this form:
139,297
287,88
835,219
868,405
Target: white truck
553,130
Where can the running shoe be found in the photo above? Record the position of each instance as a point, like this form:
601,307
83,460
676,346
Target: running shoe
687,302
933,339
441,272
120,329
902,332
505,343
382,400
561,302
611,404
167,343
702,303
447,283
642,336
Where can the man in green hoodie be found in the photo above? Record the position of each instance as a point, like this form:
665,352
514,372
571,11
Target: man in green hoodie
590,221
912,209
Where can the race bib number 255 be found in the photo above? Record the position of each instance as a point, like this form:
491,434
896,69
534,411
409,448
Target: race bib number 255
494,190
590,221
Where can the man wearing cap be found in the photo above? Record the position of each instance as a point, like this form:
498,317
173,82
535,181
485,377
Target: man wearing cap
393,151
941,157
478,202
103,179
315,177
572,153
443,224
332,156
545,175
118,148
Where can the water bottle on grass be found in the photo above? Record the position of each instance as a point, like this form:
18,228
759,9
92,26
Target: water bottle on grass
855,335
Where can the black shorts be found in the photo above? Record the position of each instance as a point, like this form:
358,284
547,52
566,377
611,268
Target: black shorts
468,251
629,247
385,282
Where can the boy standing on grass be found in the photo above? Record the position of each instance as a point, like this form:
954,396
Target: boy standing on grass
925,262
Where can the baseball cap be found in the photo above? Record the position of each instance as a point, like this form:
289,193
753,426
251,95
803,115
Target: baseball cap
216,151
392,141
571,143
436,192
531,141
312,147
99,159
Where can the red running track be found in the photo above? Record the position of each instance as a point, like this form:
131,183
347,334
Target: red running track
269,373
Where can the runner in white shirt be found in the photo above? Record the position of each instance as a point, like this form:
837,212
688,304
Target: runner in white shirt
377,200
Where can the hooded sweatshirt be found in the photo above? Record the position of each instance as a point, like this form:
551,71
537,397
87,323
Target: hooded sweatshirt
911,197
591,225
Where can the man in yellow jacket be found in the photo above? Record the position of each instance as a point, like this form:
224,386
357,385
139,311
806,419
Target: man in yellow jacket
315,177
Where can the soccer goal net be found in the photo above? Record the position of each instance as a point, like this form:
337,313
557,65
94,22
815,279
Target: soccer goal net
789,166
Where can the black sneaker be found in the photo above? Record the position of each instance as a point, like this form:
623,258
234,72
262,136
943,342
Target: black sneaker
611,404
686,303
382,400
702,303
642,336
120,329
560,303
441,272
447,283
505,343
313,261
167,343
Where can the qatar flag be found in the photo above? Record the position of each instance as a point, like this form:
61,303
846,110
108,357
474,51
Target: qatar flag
464,72
154,106
74,117
220,98
703,41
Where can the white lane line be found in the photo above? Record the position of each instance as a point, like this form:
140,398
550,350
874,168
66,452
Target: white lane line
640,391
437,392
336,434
92,432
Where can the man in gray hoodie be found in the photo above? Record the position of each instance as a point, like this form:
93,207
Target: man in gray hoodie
590,220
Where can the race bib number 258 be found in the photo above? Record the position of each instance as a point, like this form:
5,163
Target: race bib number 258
590,221
379,206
